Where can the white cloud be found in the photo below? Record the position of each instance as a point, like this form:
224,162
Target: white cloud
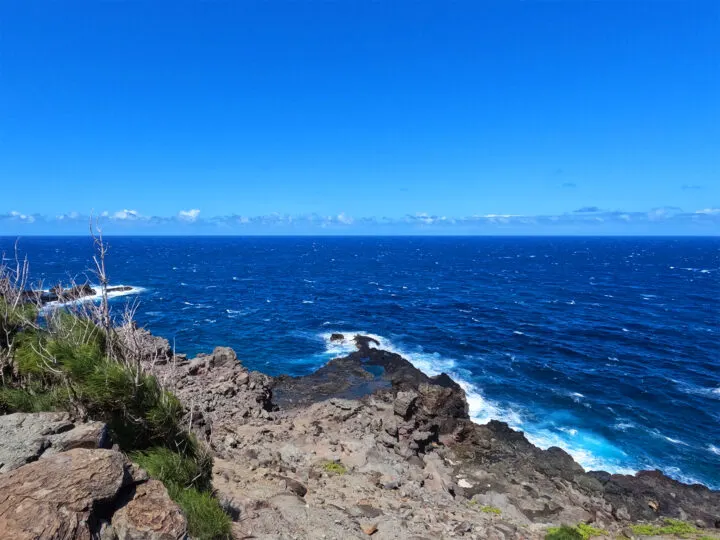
189,215
126,214
22,217
345,220
710,211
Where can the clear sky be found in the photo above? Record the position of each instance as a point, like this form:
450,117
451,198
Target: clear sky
359,117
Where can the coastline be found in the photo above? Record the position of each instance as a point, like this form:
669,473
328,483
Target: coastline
378,417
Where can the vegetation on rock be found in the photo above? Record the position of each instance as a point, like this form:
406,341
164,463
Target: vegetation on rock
674,527
581,531
72,359
333,467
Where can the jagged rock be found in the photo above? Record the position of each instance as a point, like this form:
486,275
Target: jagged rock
74,495
26,437
216,389
337,337
221,357
650,493
149,515
404,403
57,498
140,343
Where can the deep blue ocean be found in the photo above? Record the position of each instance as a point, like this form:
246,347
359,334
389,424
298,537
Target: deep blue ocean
606,347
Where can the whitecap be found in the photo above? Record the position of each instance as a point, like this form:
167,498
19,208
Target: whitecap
98,295
714,449
518,333
308,301
623,426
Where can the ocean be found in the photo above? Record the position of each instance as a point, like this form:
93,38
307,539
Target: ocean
606,347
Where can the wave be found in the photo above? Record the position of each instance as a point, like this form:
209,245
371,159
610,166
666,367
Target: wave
126,291
708,392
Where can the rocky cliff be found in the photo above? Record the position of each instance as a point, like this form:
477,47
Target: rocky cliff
369,445
366,446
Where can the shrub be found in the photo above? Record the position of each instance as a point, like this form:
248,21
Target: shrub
675,527
333,467
70,355
563,533
23,400
581,531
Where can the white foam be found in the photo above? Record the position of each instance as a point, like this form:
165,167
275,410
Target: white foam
577,446
518,333
308,301
97,296
714,449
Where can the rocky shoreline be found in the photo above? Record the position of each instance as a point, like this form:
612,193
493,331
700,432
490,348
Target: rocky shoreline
368,441
367,445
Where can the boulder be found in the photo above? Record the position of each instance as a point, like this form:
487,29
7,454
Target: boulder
149,515
82,494
57,498
26,437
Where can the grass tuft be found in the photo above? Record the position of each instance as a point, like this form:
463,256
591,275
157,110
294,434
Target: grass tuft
581,531
491,510
206,518
333,467
675,527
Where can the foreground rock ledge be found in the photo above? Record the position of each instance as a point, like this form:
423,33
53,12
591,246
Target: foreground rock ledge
83,493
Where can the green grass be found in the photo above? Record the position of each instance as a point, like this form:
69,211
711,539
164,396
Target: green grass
491,510
581,531
30,401
333,467
188,480
674,527
206,518
67,366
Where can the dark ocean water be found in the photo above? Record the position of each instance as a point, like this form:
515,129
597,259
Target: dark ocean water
607,347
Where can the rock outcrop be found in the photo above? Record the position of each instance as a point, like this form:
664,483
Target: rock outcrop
25,438
216,389
83,494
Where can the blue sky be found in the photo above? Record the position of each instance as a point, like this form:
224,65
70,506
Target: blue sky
355,117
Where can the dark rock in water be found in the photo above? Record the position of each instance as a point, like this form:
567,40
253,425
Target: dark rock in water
119,288
337,337
60,294
73,293
367,371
